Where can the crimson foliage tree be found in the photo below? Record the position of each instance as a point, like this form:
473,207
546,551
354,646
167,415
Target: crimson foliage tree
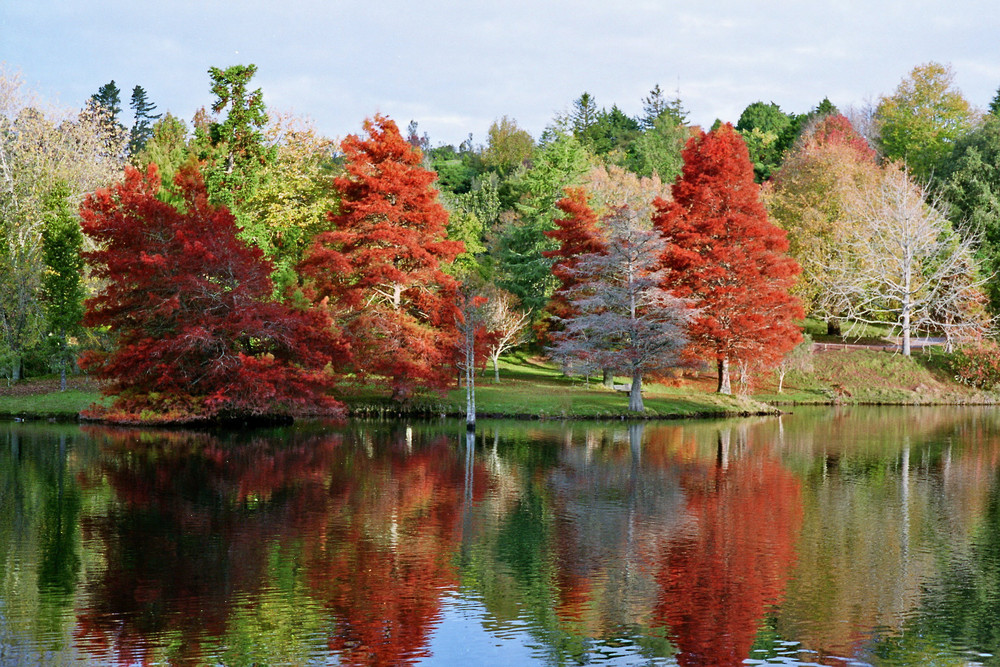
194,337
378,268
725,255
578,234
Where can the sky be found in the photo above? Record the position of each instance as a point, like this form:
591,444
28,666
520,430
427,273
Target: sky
456,66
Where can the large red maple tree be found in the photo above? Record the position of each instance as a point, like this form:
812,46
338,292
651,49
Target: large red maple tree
378,270
194,334
727,257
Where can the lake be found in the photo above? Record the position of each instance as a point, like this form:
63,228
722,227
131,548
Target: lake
830,536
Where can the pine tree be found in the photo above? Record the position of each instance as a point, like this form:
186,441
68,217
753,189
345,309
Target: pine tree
142,127
725,255
108,98
379,267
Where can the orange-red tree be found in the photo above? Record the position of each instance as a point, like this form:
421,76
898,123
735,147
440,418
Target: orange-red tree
725,255
378,268
194,335
578,234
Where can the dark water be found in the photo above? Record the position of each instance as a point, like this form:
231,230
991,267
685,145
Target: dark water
830,537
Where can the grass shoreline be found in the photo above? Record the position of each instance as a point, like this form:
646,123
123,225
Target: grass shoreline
533,389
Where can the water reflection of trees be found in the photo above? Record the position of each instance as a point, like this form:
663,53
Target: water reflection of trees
643,544
40,504
721,573
890,497
186,538
213,545
686,542
384,559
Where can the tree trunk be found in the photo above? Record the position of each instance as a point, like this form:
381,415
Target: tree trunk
833,326
781,379
609,378
906,329
635,394
62,375
724,385
496,370
15,373
470,378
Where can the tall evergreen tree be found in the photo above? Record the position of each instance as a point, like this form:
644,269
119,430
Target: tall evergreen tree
236,148
142,126
109,98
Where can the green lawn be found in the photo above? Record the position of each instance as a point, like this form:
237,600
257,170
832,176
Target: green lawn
57,404
530,387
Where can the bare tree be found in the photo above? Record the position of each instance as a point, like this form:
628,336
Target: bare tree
469,322
624,320
506,323
799,359
903,265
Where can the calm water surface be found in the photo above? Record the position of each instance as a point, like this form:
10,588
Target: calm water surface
826,537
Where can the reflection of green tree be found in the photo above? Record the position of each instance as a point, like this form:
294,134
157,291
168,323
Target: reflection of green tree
40,504
961,608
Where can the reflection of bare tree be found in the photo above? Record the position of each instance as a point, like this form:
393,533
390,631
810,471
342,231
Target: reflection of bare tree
889,490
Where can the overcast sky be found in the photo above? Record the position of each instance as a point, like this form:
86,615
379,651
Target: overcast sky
455,66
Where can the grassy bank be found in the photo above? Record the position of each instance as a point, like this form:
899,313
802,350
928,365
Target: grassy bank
862,376
532,388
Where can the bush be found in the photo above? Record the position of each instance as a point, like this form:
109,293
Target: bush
977,365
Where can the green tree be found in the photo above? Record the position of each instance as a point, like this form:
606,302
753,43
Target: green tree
142,126
62,283
657,106
168,147
508,146
584,114
237,152
109,98
520,241
921,121
971,186
995,104
767,131
290,203
612,134
657,152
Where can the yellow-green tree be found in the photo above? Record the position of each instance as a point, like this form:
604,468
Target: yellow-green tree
920,122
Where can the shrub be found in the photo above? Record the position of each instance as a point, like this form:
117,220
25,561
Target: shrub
977,365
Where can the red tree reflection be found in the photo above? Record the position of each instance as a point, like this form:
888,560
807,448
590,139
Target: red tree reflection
386,557
185,536
718,576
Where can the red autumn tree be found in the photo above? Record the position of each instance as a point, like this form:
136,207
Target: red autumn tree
578,234
725,255
836,130
194,335
378,268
